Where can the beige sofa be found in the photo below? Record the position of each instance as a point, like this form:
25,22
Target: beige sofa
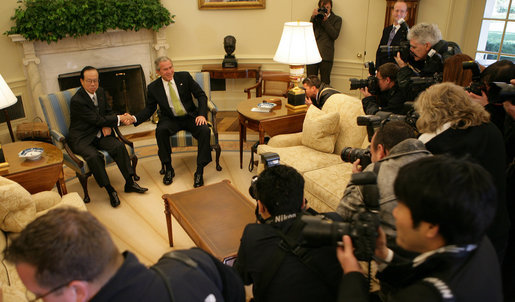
325,174
17,209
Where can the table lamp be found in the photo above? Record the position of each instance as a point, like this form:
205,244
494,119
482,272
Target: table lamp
7,99
297,48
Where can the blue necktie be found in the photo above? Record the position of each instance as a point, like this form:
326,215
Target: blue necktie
392,34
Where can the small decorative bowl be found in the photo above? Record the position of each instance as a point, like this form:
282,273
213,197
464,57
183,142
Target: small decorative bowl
267,105
31,153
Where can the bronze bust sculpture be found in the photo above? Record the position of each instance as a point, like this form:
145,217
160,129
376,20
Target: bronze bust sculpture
229,46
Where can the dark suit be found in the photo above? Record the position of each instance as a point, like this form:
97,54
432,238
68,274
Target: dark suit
170,124
400,35
86,120
326,32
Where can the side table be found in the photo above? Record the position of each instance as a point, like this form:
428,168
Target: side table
38,175
278,121
216,71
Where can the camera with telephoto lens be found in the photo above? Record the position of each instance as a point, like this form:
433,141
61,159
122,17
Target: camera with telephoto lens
422,83
475,86
500,92
350,155
391,51
372,122
372,83
362,228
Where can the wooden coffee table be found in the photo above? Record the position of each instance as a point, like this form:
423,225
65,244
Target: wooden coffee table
278,121
38,175
214,216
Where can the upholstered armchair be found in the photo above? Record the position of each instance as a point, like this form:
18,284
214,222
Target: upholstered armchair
184,138
274,83
56,108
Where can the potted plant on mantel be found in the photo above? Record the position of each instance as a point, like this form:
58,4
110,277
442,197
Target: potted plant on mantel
53,20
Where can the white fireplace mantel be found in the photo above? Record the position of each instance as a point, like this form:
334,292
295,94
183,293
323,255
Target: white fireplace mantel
43,62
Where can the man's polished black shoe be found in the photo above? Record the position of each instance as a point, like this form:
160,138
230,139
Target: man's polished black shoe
198,180
168,178
134,187
113,198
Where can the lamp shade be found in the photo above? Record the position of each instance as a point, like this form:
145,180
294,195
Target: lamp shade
7,97
298,45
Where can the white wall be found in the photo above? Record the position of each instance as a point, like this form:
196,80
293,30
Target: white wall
197,37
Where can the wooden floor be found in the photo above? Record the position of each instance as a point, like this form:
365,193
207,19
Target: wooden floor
138,224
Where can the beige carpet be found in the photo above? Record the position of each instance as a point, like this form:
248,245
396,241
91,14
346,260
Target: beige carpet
139,224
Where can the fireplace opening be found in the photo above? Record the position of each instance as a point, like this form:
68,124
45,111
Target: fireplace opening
124,86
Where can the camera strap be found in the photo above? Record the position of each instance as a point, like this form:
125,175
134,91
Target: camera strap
288,244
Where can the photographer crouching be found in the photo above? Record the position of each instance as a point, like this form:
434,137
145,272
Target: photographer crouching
270,255
392,146
387,98
442,216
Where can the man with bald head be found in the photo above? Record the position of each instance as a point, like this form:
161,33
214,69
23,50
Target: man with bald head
394,34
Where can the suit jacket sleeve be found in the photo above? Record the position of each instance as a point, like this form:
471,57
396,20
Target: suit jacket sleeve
333,28
151,106
199,94
82,108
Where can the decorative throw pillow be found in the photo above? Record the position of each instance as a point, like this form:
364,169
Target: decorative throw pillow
320,129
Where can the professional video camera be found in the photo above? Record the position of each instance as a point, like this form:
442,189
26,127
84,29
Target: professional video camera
372,83
500,92
362,228
321,14
475,86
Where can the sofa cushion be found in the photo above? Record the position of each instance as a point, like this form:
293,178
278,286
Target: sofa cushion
302,158
327,185
348,108
16,206
320,129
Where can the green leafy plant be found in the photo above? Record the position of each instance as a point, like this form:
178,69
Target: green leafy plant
52,20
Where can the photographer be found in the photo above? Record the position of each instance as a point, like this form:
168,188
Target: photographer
452,124
500,71
442,216
393,145
326,26
68,255
317,92
427,54
389,98
394,34
270,256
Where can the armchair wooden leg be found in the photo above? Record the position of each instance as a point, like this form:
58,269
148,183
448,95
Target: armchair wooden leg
218,150
134,162
83,179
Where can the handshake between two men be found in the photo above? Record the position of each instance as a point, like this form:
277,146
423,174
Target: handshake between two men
128,119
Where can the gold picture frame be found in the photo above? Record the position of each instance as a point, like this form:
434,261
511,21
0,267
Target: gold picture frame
231,4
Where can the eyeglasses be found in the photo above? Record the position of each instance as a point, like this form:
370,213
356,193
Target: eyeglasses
90,81
46,294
